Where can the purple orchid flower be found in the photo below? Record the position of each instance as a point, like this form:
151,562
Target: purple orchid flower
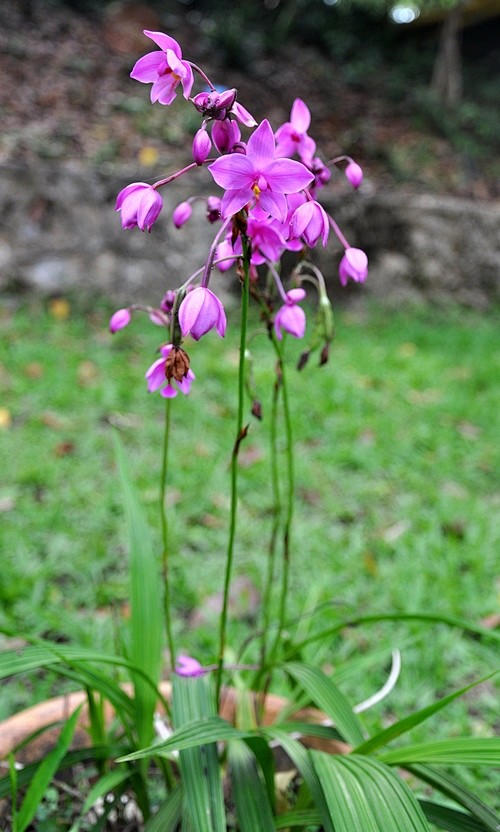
354,265
310,221
201,311
187,666
290,317
258,176
156,376
292,138
164,69
140,204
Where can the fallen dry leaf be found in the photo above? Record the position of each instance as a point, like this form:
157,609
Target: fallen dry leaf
148,156
5,418
64,448
87,373
34,370
59,308
54,420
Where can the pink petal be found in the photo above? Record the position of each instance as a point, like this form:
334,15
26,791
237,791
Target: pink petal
300,116
155,376
260,146
233,171
296,295
287,176
163,89
168,392
234,201
275,204
164,42
243,115
124,193
301,219
146,68
187,80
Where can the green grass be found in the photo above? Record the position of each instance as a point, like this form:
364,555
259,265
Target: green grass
397,457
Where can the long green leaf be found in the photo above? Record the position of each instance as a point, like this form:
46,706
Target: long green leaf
449,786
45,773
450,819
199,731
414,719
303,763
167,818
107,783
482,751
73,757
299,817
327,696
145,604
249,791
365,796
194,699
428,618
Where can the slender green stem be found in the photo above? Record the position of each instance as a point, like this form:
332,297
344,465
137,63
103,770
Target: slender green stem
277,511
164,535
290,501
240,433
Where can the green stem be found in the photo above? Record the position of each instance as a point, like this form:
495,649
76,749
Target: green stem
277,510
240,433
164,535
290,503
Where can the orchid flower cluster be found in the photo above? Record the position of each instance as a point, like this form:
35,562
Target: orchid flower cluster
267,205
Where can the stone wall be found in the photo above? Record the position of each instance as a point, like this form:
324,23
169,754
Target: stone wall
59,232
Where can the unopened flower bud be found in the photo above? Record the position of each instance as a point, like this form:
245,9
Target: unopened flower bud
182,213
354,265
201,146
257,409
119,320
213,208
187,666
225,134
354,174
168,300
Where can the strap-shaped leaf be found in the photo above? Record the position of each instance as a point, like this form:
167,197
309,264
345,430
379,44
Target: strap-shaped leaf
167,818
195,733
249,791
299,817
304,764
45,773
450,819
414,719
145,604
470,751
365,796
449,786
194,699
327,696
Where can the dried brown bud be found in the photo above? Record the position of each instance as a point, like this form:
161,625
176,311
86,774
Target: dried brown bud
257,409
325,352
176,364
304,358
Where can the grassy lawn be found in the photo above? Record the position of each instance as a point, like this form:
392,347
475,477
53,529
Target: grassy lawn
398,501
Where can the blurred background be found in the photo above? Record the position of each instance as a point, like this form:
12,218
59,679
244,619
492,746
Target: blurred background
409,89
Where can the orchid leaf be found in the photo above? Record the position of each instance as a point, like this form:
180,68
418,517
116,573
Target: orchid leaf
327,696
447,785
45,772
450,819
364,796
193,698
414,719
250,795
145,604
167,818
470,751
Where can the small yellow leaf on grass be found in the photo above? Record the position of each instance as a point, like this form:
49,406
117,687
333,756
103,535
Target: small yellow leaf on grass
407,350
87,373
59,308
370,563
5,418
148,156
34,369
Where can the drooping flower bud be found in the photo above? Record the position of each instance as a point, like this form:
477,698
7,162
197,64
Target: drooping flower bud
354,174
168,300
140,204
201,311
201,146
181,214
354,265
120,319
290,317
310,221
